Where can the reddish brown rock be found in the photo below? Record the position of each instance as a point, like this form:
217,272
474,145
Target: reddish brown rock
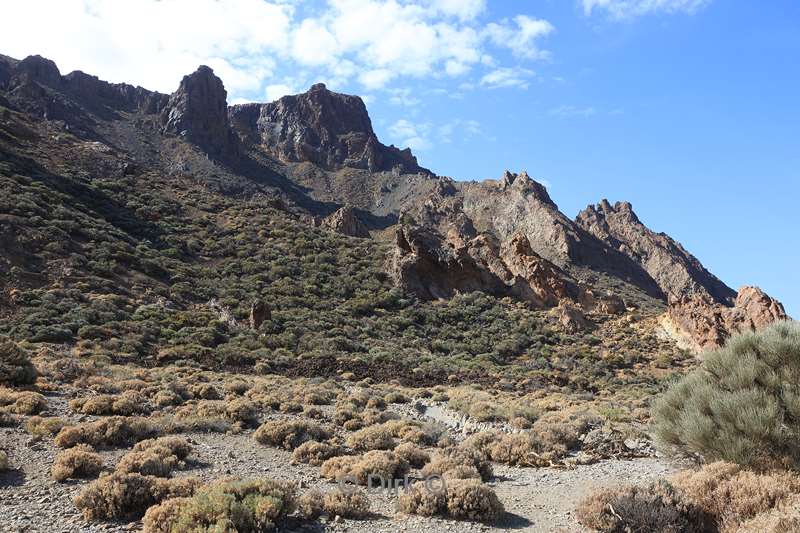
571,319
707,324
260,312
346,222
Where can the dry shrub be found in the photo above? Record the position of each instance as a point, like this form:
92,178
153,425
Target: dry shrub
415,432
371,438
345,414
445,461
231,506
785,518
15,364
346,503
290,434
733,495
7,420
204,391
242,410
462,499
315,453
655,507
313,412
469,499
3,461
353,425
178,446
421,500
290,407
309,505
741,405
127,496
375,464
112,431
413,455
521,449
44,427
22,403
80,462
396,397
153,461
125,404
237,387
166,398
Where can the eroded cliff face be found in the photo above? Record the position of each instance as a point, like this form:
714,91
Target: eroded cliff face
677,272
702,309
329,129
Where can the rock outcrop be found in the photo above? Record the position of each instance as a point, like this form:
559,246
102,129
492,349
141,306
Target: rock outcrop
707,324
260,312
346,222
677,272
198,111
329,129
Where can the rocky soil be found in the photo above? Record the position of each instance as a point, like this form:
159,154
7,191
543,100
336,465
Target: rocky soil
536,499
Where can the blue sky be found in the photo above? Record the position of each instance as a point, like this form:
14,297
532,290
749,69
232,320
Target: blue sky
687,108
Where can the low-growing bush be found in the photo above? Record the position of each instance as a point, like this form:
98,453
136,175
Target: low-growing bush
462,499
15,364
79,462
242,506
376,464
3,461
655,507
414,456
315,453
346,503
125,404
450,463
742,405
371,438
112,431
156,461
733,495
290,434
120,496
44,426
178,446
22,402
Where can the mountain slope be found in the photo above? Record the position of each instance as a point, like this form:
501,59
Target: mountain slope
145,225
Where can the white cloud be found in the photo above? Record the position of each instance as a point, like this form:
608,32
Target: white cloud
521,38
462,128
274,91
143,42
507,77
565,111
415,136
627,9
403,97
254,44
463,9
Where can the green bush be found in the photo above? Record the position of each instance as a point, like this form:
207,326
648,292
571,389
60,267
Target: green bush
742,405
15,365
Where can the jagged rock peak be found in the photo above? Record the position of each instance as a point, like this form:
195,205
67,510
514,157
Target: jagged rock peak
40,69
346,221
198,110
320,126
677,272
527,185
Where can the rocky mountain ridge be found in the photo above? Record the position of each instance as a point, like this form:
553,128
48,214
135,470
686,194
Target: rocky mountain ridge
318,153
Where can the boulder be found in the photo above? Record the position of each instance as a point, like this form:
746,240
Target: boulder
346,222
260,312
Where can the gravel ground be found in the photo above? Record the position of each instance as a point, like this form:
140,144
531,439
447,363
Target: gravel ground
536,499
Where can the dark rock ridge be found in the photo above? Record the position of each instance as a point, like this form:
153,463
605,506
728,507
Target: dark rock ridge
677,272
198,110
36,85
329,129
